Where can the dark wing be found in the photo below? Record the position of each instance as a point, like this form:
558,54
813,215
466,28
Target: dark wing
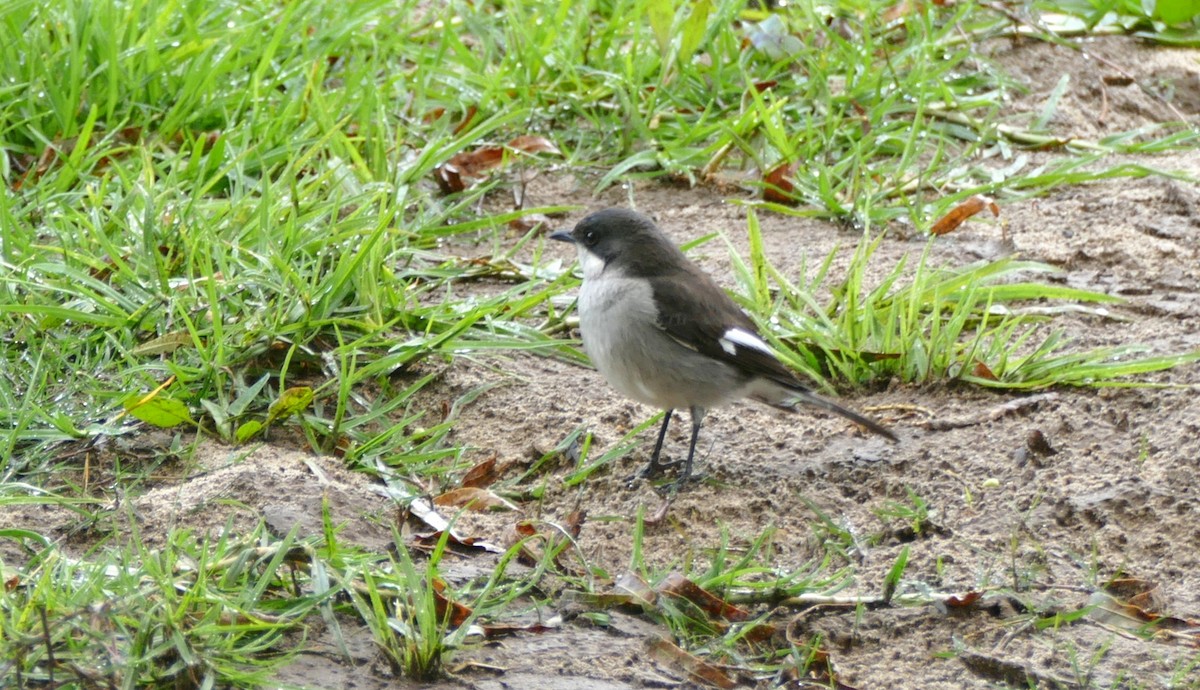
700,317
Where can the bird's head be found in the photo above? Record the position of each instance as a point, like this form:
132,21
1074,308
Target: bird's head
622,239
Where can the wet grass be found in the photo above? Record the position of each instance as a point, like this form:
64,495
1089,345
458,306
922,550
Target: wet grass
226,220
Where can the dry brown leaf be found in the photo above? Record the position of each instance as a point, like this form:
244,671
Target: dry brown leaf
574,523
448,179
501,629
1135,590
760,633
677,585
1120,615
458,613
429,541
981,370
696,668
959,214
529,554
482,474
532,143
473,498
961,600
478,162
630,583
470,166
777,188
466,121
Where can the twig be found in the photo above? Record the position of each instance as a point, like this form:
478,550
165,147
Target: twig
995,413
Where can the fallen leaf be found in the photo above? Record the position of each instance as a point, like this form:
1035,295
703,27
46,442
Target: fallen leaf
476,163
696,668
677,585
458,613
1135,590
531,143
482,474
961,600
448,179
501,629
574,522
428,542
630,583
473,498
466,121
470,166
423,509
1110,611
981,370
529,554
777,188
959,214
760,632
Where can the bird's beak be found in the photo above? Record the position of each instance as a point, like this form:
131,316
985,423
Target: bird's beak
563,236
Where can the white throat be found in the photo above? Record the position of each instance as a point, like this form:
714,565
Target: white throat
592,265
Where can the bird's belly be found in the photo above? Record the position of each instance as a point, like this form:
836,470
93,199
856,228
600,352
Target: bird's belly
622,337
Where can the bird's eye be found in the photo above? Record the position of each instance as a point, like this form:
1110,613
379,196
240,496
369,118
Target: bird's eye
589,237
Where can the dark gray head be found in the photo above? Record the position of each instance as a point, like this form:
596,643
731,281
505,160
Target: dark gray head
624,239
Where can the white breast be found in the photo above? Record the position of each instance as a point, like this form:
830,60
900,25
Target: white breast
621,334
615,315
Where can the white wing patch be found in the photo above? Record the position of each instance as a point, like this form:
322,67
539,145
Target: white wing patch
735,337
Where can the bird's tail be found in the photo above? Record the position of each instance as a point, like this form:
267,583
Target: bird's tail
795,394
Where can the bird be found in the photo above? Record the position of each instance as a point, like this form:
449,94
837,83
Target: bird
661,331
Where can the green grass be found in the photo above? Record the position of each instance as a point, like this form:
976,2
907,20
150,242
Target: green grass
191,612
985,323
222,218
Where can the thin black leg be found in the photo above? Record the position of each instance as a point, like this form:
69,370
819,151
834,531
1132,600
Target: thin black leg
655,466
697,420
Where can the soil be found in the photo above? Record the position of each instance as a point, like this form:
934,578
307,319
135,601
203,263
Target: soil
1040,502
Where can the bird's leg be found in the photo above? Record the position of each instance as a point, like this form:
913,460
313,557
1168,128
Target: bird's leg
656,467
697,420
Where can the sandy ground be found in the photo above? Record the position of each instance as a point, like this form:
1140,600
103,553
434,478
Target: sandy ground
1040,532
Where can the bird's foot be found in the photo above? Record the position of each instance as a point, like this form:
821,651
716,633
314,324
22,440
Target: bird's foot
657,469
650,472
